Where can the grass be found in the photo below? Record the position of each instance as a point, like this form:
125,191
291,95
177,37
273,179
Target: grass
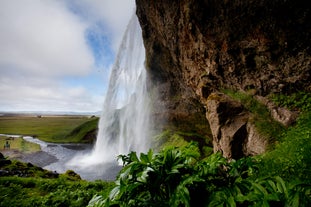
171,138
17,191
19,144
29,185
262,119
84,132
292,156
297,101
46,128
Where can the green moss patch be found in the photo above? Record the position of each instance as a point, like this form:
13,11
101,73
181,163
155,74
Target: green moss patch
262,119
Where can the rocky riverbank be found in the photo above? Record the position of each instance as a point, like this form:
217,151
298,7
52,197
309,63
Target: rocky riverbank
16,167
39,158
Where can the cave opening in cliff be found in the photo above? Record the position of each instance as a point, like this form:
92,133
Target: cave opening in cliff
237,143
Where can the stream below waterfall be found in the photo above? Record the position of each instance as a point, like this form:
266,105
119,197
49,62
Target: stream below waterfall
55,157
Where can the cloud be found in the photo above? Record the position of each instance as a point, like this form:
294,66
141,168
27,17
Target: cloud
34,94
46,43
42,38
114,14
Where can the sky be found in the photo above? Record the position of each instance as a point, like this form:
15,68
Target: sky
56,55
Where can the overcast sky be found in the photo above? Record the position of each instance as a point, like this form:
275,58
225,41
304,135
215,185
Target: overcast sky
56,55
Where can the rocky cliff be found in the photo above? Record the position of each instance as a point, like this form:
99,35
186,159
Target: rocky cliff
197,47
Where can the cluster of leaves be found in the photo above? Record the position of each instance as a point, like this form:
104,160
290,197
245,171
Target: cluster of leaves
18,191
296,101
176,177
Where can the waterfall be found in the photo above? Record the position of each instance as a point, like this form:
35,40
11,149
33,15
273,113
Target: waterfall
124,123
123,126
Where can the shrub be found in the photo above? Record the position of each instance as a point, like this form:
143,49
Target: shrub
176,177
296,101
292,157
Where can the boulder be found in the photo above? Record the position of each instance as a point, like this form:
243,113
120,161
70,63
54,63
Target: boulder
233,133
279,114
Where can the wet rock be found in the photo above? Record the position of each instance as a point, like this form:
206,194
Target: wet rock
255,143
280,114
39,158
51,174
4,161
194,48
4,173
1,156
233,134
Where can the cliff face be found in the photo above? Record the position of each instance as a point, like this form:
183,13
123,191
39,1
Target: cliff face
196,47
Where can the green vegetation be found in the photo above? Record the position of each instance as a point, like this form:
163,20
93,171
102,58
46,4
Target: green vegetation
292,157
19,144
17,191
23,184
261,117
171,138
183,176
86,132
49,128
29,185
178,177
296,101
183,173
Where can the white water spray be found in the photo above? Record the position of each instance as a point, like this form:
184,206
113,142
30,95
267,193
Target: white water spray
124,123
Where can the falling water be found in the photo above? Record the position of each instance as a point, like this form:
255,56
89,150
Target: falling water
124,123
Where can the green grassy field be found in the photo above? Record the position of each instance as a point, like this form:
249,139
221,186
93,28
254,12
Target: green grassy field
47,128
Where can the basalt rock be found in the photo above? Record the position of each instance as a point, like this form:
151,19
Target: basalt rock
196,47
280,114
233,133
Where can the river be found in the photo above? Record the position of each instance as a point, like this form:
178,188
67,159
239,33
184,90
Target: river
56,157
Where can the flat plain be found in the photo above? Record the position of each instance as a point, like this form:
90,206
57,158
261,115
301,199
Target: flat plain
46,128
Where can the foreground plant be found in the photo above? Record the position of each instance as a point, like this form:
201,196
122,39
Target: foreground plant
176,177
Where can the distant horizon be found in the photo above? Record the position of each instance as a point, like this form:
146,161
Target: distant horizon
25,112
